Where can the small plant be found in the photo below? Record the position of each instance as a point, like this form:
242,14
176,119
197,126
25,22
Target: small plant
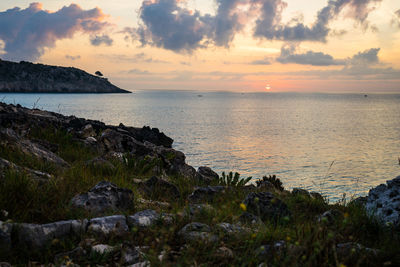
233,179
273,180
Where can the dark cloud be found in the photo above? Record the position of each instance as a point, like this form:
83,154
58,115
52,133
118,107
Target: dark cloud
72,57
396,20
269,24
28,32
104,39
367,57
138,72
289,55
264,61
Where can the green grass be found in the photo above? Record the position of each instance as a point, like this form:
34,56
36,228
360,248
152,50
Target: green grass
310,243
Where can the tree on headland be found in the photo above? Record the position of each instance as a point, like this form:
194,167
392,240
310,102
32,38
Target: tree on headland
98,73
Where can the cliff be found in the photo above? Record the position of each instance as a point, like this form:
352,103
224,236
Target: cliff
26,77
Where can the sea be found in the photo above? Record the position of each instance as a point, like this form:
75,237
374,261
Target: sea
340,145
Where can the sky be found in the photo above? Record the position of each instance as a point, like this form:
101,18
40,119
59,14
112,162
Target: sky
213,45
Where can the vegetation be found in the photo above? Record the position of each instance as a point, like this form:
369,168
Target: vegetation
309,241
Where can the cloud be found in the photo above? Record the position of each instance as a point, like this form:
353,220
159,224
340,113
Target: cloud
264,61
138,72
72,57
269,24
28,32
104,39
139,57
289,55
367,57
396,19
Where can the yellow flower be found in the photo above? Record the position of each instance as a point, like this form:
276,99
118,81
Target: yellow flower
342,265
243,206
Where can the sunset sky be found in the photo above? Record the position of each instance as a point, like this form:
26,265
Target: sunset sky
229,45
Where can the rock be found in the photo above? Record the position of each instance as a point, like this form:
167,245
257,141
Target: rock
197,232
318,196
206,175
206,194
90,141
266,206
143,218
331,216
158,204
267,251
300,192
224,253
353,251
5,237
141,264
36,236
130,255
229,229
38,176
102,249
265,185
384,202
103,197
107,226
157,188
112,140
87,131
198,209
5,264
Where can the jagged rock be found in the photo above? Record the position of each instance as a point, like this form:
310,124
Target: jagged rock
26,77
130,255
198,209
331,216
197,232
102,249
384,202
36,236
266,205
157,188
5,237
87,131
106,226
104,196
112,140
14,141
224,253
300,192
347,252
206,175
229,229
39,176
143,218
208,193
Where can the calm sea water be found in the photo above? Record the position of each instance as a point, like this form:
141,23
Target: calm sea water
295,136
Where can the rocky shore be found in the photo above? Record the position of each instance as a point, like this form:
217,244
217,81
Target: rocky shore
78,192
26,77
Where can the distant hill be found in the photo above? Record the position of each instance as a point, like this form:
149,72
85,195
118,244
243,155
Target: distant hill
26,77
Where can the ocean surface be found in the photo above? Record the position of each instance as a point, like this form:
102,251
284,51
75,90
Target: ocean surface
330,143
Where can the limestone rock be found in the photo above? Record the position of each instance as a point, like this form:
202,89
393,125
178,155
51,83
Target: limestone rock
160,189
197,232
107,226
206,175
143,218
5,237
266,205
102,249
36,236
384,202
104,196
208,193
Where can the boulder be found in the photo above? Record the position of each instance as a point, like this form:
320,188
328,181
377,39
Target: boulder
384,202
205,194
38,176
156,188
300,192
198,209
206,175
112,140
130,255
197,232
107,226
230,229
100,162
103,197
143,218
266,206
102,249
36,236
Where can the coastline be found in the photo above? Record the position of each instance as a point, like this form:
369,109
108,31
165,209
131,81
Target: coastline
60,162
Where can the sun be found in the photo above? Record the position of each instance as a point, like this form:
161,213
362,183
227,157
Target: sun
268,87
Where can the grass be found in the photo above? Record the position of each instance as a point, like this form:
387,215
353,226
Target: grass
308,242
